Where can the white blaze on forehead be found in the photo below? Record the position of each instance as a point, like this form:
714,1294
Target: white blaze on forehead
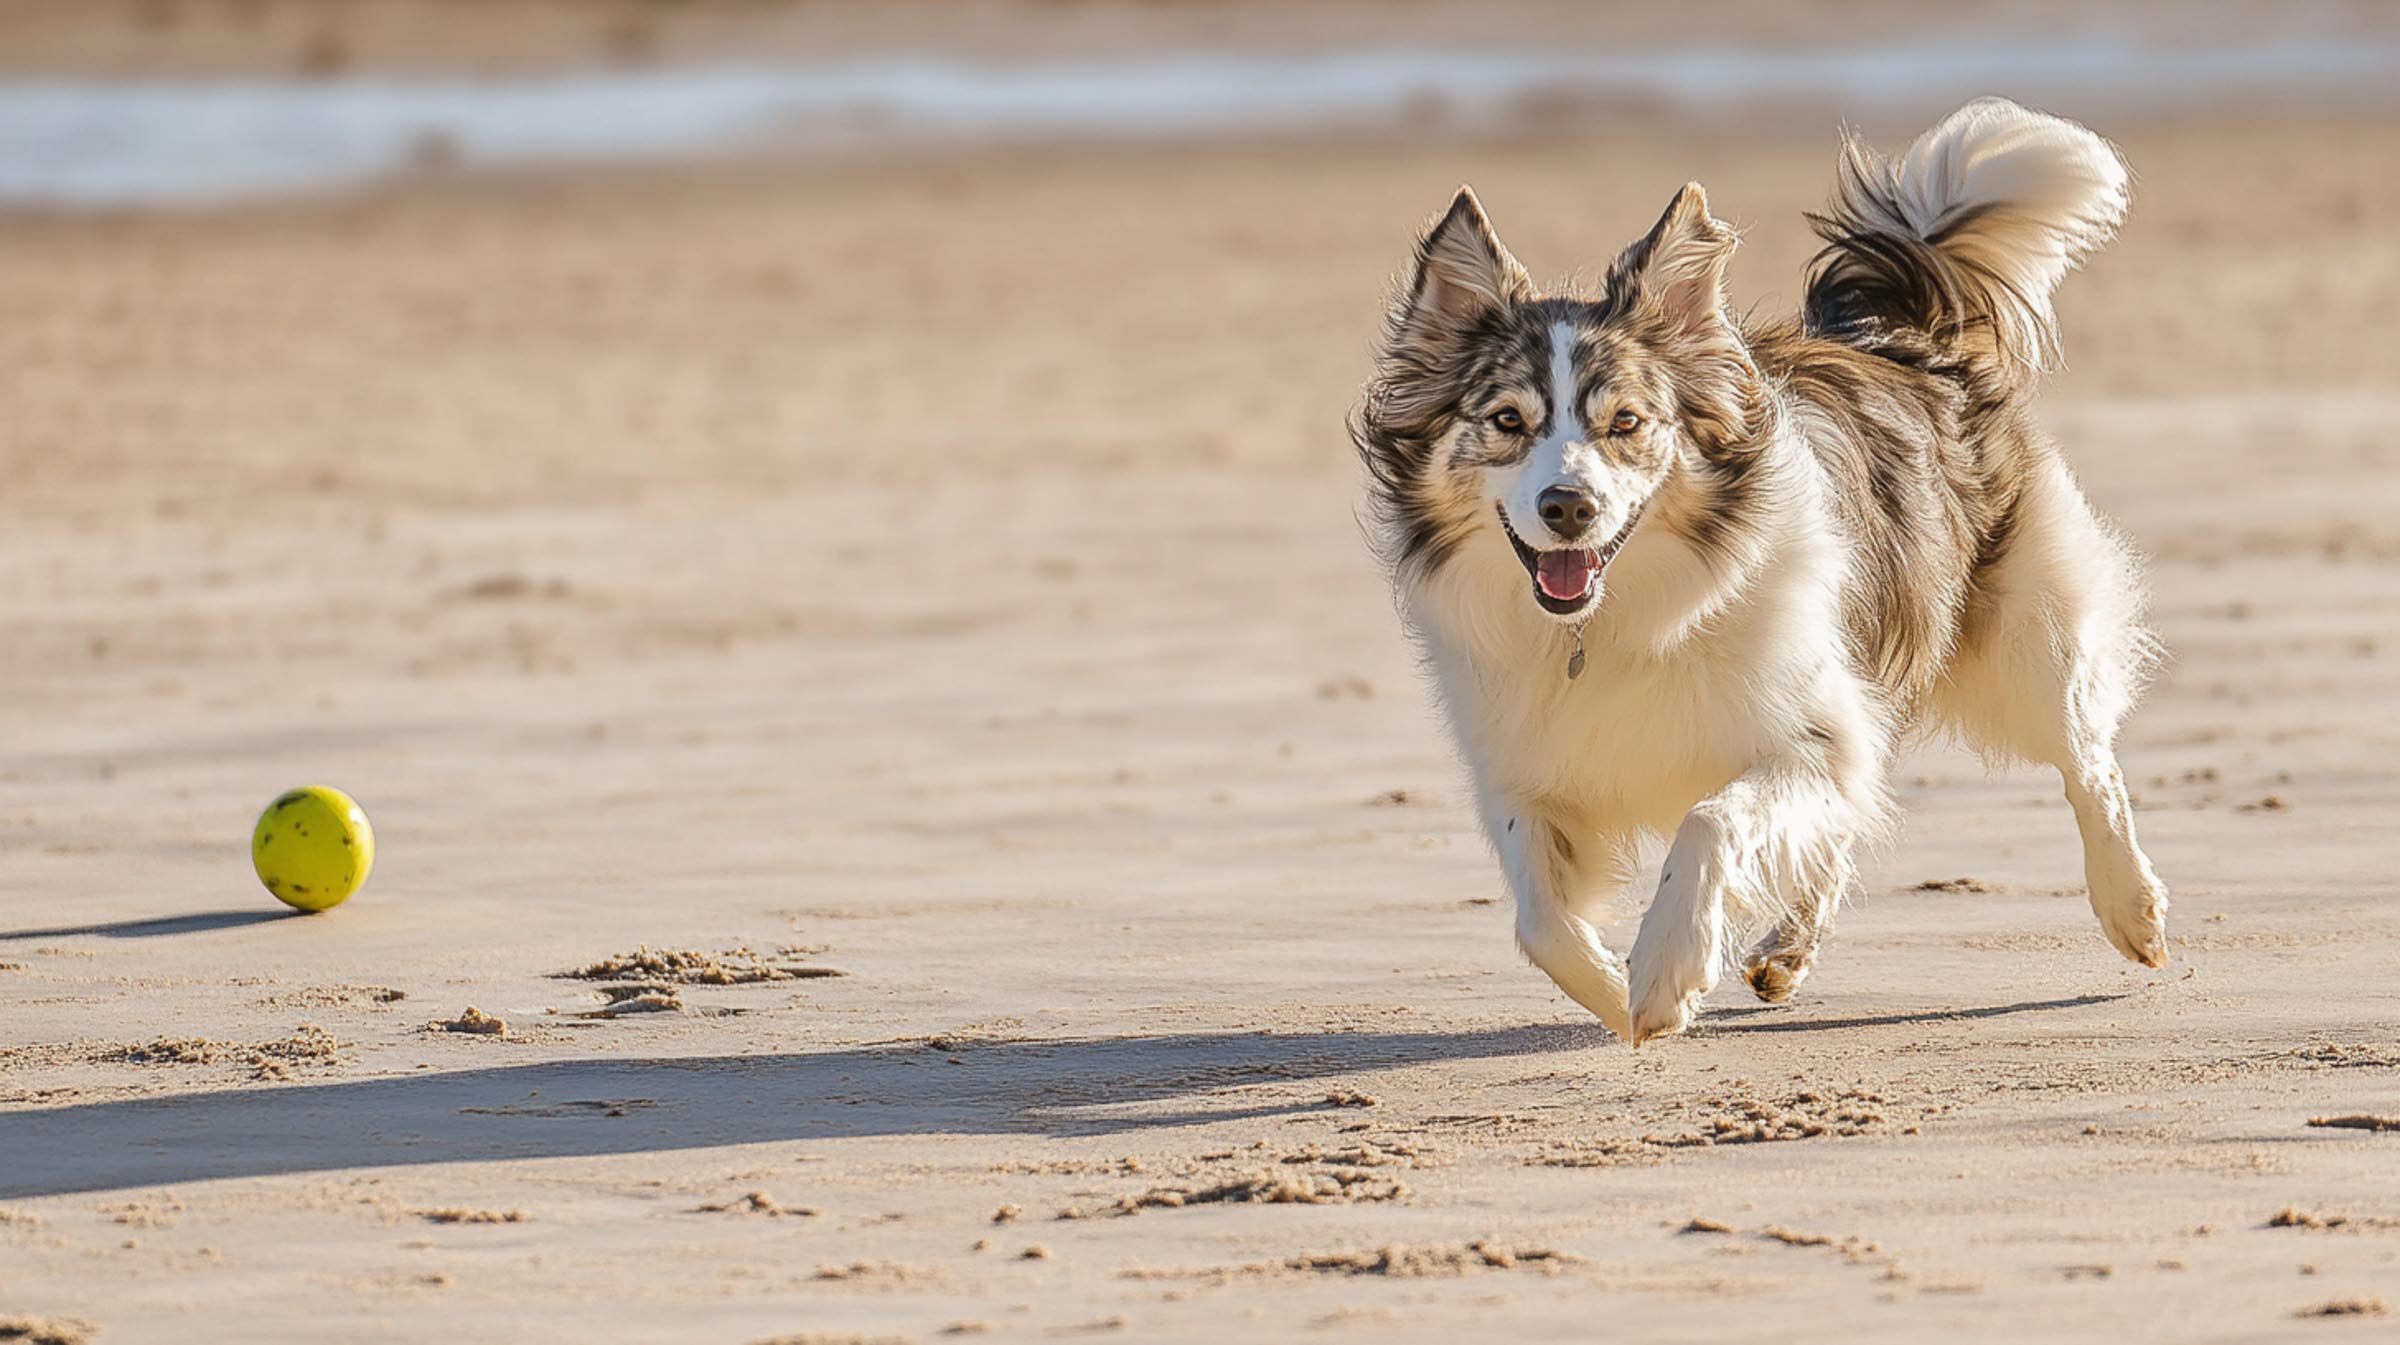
1566,416
1562,458
1559,459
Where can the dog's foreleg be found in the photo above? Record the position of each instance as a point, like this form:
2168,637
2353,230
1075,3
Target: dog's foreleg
1779,835
1552,876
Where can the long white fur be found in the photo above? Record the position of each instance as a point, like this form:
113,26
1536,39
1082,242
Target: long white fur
1719,706
1702,731
2053,678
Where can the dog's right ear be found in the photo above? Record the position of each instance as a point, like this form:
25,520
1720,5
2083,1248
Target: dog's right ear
1462,272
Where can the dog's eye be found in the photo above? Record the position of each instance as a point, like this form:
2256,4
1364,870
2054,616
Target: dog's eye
1624,422
1507,421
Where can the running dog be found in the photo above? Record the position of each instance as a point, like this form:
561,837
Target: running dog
1678,572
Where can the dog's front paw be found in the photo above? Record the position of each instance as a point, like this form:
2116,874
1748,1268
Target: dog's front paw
1666,1000
2136,923
1666,1020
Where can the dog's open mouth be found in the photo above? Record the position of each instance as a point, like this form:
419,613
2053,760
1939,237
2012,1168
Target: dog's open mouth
1564,581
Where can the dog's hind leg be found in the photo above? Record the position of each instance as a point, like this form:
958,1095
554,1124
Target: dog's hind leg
2084,693
1781,961
1560,879
2051,678
2084,703
2126,893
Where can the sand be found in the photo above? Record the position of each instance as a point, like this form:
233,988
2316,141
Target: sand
945,573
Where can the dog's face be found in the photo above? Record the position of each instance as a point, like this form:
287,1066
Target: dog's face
1566,436
1555,421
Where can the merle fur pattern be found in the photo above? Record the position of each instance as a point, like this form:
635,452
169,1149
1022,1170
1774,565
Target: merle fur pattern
1840,527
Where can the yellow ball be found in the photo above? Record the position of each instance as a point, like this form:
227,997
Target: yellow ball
313,848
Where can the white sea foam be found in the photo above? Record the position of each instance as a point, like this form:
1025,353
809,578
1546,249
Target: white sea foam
115,143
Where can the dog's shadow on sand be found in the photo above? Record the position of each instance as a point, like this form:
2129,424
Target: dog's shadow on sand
581,1108
1734,1022
584,1108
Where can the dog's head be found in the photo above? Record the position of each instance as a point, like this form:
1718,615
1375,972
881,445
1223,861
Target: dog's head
1556,421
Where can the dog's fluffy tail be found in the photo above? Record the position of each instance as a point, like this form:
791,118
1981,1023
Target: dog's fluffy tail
1948,254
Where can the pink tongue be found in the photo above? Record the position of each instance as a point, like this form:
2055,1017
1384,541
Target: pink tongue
1565,575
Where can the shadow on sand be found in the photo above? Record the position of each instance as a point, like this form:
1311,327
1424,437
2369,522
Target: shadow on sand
1756,1020
588,1107
154,927
581,1108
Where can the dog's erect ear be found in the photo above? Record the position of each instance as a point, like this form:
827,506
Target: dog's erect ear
1678,272
1462,271
1680,265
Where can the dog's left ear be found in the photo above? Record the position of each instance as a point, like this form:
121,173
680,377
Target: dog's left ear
1680,265
1678,271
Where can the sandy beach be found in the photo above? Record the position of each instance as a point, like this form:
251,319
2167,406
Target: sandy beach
1076,926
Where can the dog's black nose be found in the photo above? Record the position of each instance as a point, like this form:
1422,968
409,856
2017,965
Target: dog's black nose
1568,512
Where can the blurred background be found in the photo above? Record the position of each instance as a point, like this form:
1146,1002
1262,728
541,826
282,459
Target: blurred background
605,243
